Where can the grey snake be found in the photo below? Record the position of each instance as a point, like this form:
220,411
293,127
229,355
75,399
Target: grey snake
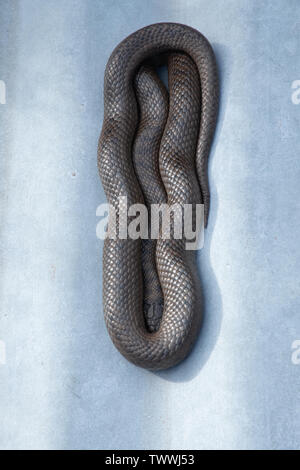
153,148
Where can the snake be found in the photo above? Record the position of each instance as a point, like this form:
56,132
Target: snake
153,148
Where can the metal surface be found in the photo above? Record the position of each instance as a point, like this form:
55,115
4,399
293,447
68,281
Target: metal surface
184,147
64,385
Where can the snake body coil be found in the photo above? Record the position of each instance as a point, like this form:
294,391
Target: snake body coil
153,148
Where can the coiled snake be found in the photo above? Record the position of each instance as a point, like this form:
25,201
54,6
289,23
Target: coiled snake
153,148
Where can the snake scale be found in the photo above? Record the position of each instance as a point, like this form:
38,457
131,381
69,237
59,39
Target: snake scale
153,148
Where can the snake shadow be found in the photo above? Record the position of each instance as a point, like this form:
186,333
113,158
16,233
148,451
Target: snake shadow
212,300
